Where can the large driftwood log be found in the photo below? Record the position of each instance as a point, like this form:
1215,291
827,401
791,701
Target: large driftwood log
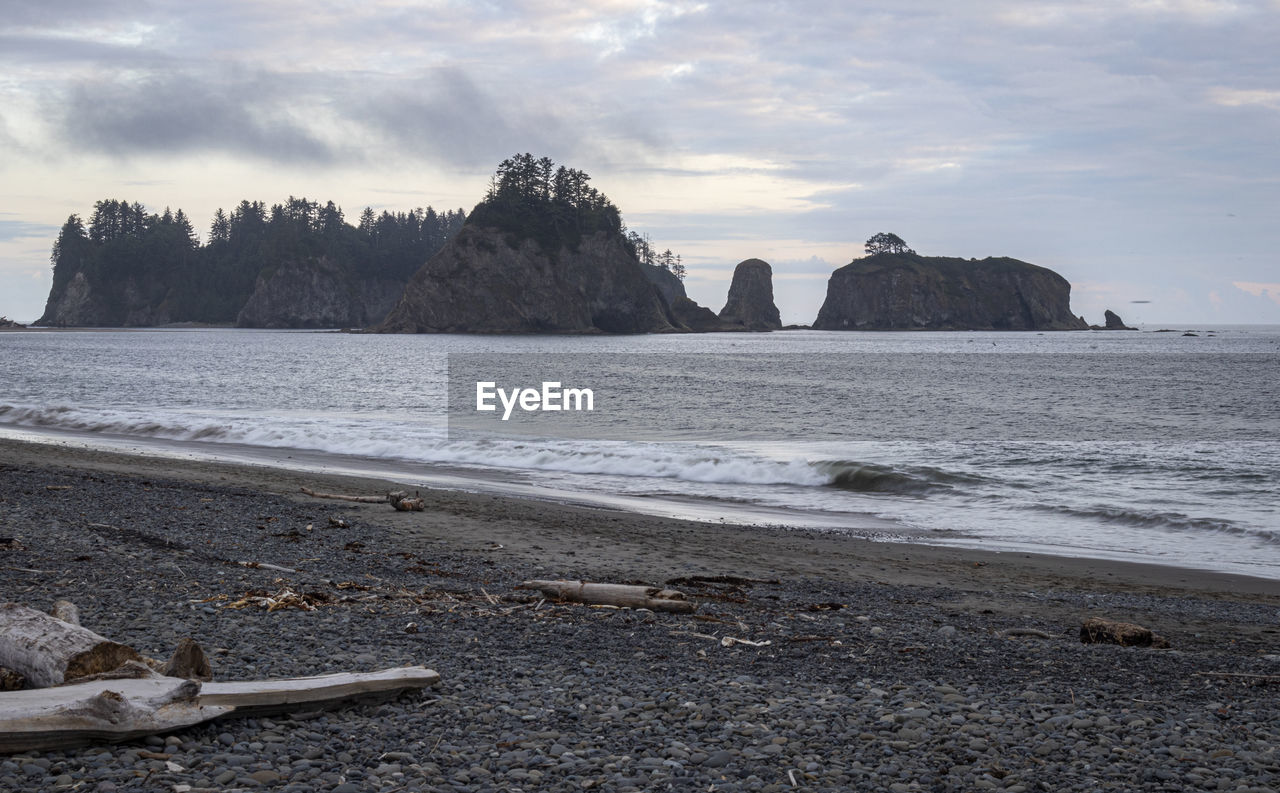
265,697
1096,630
49,652
625,595
104,710
119,710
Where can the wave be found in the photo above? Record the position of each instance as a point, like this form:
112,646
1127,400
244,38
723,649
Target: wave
428,444
1175,521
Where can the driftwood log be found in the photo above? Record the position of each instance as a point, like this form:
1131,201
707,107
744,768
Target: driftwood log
1096,630
49,652
340,497
119,710
624,595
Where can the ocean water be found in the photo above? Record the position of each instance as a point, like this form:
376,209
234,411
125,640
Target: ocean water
1144,446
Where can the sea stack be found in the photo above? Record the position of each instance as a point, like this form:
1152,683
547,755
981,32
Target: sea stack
1114,322
750,304
905,291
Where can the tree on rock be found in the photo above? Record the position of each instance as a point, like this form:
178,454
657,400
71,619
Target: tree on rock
885,242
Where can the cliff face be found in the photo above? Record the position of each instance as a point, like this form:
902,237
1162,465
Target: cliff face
484,282
668,284
910,292
750,303
317,293
82,304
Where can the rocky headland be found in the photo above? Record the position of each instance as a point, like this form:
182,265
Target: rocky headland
484,281
906,291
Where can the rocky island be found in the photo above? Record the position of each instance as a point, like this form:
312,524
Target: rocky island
544,252
901,290
294,265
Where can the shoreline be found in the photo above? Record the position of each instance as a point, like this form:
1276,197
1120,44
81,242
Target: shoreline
547,532
830,663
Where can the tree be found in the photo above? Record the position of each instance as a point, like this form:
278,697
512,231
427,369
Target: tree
885,242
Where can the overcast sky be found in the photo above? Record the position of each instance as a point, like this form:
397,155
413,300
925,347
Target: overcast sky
1131,145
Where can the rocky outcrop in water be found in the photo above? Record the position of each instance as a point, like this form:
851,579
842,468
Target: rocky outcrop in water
694,317
486,281
750,304
317,293
911,292
1113,322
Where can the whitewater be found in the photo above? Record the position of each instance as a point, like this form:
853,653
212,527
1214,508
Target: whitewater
1145,446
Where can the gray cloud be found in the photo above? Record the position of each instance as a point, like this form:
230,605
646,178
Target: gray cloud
188,112
20,229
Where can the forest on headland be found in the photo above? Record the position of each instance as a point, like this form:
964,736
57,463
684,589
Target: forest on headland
130,257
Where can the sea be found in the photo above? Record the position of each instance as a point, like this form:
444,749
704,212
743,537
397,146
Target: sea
1147,446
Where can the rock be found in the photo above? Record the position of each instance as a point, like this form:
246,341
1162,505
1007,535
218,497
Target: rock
695,317
5,322
188,661
1114,322
750,303
484,281
668,284
911,292
317,293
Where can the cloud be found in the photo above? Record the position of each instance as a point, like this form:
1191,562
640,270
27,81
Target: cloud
189,112
20,229
1267,290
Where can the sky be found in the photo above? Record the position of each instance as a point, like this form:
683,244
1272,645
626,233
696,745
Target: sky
1130,145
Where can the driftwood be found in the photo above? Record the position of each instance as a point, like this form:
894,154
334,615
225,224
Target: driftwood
119,710
49,652
341,497
624,595
399,499
1096,630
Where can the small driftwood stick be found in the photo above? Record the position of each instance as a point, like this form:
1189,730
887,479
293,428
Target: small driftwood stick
623,595
340,497
49,652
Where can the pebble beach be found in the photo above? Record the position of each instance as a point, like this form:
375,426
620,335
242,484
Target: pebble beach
814,661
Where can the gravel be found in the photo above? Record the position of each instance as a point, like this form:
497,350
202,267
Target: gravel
860,686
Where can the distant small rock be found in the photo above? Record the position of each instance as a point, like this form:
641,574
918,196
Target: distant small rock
5,322
1113,322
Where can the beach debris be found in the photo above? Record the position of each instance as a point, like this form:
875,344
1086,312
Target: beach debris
1009,633
284,599
624,595
1096,630
119,710
265,566
403,502
49,652
729,641
188,661
66,611
338,523
340,497
398,499
59,487
11,544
